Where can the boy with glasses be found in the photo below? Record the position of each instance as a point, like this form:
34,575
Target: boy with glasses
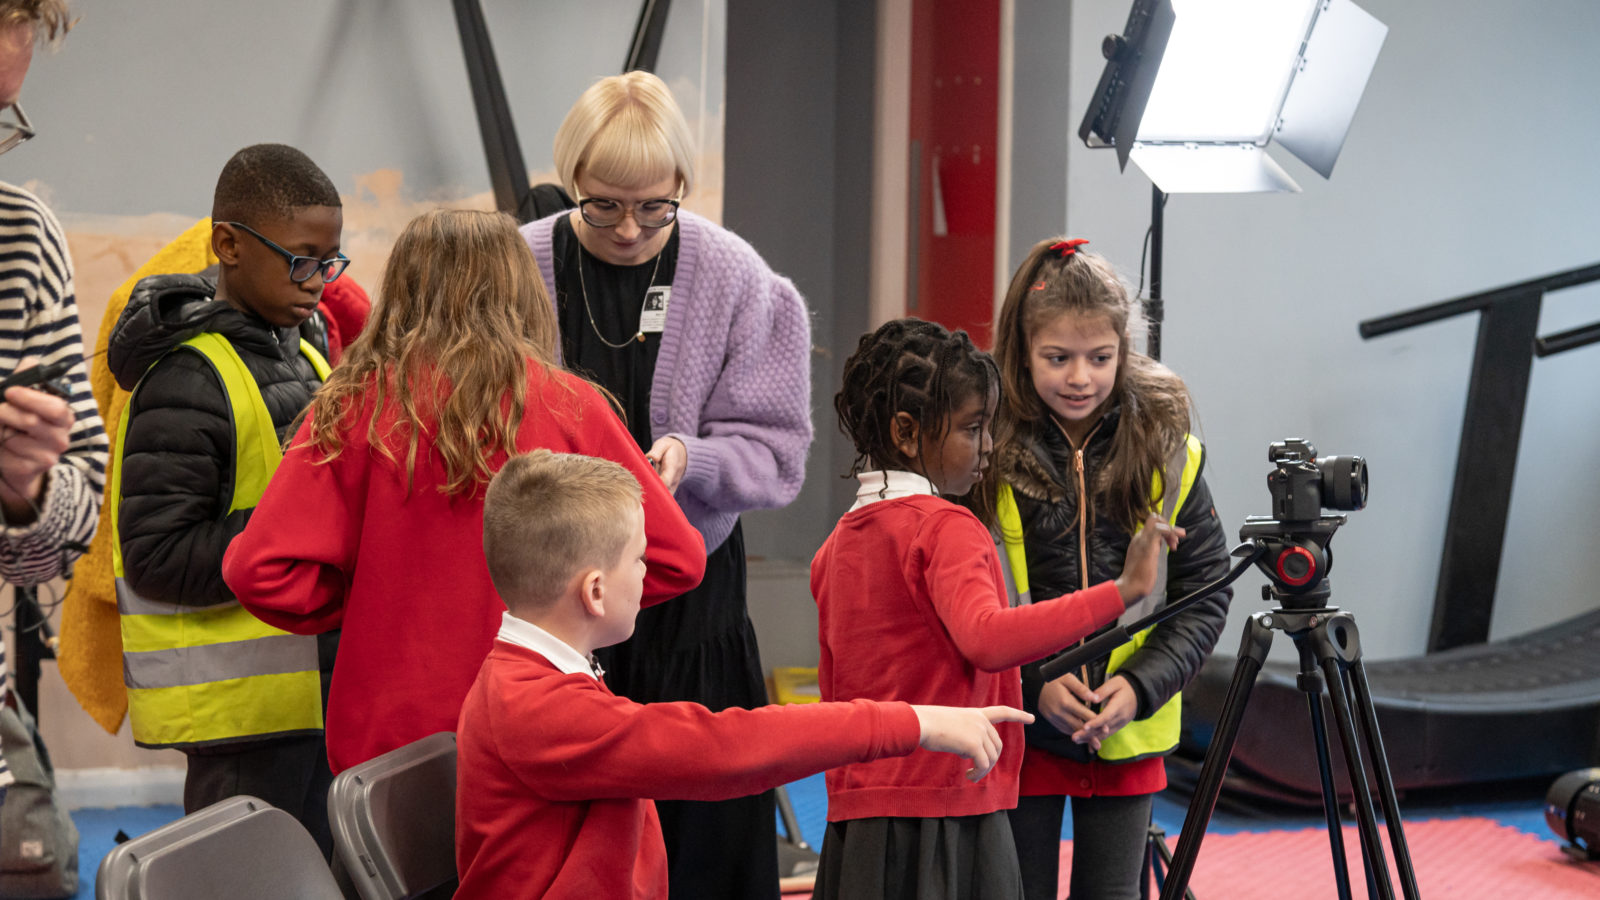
219,375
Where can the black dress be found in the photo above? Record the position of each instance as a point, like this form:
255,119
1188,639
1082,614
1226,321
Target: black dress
699,646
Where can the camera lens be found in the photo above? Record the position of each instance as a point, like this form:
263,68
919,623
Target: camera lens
1344,482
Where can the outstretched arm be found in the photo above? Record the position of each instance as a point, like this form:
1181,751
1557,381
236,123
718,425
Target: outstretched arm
569,740
963,578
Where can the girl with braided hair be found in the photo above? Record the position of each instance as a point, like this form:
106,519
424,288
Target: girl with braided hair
912,606
1091,438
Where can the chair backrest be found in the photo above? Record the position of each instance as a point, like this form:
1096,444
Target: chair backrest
241,848
394,821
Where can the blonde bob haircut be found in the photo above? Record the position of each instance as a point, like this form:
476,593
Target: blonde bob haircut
625,130
549,516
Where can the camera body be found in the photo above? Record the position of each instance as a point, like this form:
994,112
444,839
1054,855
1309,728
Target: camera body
1302,485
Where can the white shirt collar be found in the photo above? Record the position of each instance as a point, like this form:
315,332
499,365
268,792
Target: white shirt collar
891,485
560,654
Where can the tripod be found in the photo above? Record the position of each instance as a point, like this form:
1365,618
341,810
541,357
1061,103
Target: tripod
1292,550
1330,656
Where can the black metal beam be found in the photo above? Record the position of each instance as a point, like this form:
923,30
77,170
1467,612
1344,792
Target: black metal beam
507,172
646,44
1480,501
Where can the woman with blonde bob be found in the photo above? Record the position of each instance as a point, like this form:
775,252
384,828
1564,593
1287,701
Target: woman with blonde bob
707,351
374,519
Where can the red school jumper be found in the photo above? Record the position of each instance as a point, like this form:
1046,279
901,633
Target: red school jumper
556,774
347,543
912,606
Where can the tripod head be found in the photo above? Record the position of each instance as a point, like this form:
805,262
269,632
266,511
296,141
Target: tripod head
1295,555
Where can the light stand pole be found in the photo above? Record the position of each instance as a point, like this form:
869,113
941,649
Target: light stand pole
1154,310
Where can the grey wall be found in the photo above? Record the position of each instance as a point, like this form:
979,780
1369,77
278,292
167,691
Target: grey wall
1470,165
798,187
145,102
1042,121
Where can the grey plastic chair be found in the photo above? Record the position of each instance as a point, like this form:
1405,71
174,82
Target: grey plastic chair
241,848
394,822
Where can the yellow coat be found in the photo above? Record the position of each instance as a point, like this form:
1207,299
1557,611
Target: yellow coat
90,653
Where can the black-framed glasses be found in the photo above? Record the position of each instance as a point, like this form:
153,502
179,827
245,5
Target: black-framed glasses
602,213
301,268
14,133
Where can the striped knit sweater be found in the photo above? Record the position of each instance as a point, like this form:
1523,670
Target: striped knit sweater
39,319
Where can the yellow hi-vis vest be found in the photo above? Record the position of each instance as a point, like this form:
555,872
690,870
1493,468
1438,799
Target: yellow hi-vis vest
1158,734
211,674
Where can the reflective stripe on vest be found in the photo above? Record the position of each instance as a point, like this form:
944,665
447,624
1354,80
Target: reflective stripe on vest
206,674
1158,734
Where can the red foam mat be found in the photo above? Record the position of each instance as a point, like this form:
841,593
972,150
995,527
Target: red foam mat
1455,859
1458,859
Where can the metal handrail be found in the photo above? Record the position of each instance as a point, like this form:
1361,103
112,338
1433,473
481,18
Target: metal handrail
1549,345
1433,312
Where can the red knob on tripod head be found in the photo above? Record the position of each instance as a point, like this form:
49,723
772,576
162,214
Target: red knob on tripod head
1297,566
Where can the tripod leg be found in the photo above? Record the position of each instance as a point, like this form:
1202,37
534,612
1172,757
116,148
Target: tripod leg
1252,653
1331,655
1362,697
1160,860
1311,683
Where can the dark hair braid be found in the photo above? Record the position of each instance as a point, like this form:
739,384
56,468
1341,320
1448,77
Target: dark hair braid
910,366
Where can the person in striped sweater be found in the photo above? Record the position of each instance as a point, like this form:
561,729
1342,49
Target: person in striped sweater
52,448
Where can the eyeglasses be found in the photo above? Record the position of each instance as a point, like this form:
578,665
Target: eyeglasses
301,268
601,213
14,133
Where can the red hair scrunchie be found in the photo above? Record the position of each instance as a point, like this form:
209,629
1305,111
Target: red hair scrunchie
1069,247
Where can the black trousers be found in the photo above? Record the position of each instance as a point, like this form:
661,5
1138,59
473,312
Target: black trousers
290,773
702,647
1108,845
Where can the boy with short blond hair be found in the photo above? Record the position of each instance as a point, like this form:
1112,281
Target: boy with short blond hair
555,773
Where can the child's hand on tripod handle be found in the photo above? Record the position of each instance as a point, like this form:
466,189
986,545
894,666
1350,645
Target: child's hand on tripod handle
1138,576
967,732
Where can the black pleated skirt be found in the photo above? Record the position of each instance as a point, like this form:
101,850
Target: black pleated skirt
890,858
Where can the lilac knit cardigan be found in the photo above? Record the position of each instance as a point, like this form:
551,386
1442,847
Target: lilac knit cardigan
733,376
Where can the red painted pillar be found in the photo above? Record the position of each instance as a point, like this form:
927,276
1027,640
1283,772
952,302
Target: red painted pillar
954,119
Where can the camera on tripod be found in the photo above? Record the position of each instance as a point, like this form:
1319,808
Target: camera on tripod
1296,557
1303,485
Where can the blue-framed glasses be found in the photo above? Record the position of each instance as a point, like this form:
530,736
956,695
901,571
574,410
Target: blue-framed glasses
301,268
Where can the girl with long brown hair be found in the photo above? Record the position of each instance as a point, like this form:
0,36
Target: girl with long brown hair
1092,436
374,520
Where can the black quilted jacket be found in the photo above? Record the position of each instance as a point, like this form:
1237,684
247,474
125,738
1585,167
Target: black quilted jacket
177,460
1040,471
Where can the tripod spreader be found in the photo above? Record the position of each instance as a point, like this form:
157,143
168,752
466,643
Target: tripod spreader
1102,645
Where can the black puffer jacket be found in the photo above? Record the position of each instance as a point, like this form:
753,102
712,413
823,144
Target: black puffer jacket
178,457
1040,472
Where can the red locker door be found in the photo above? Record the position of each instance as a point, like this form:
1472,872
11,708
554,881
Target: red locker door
954,116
